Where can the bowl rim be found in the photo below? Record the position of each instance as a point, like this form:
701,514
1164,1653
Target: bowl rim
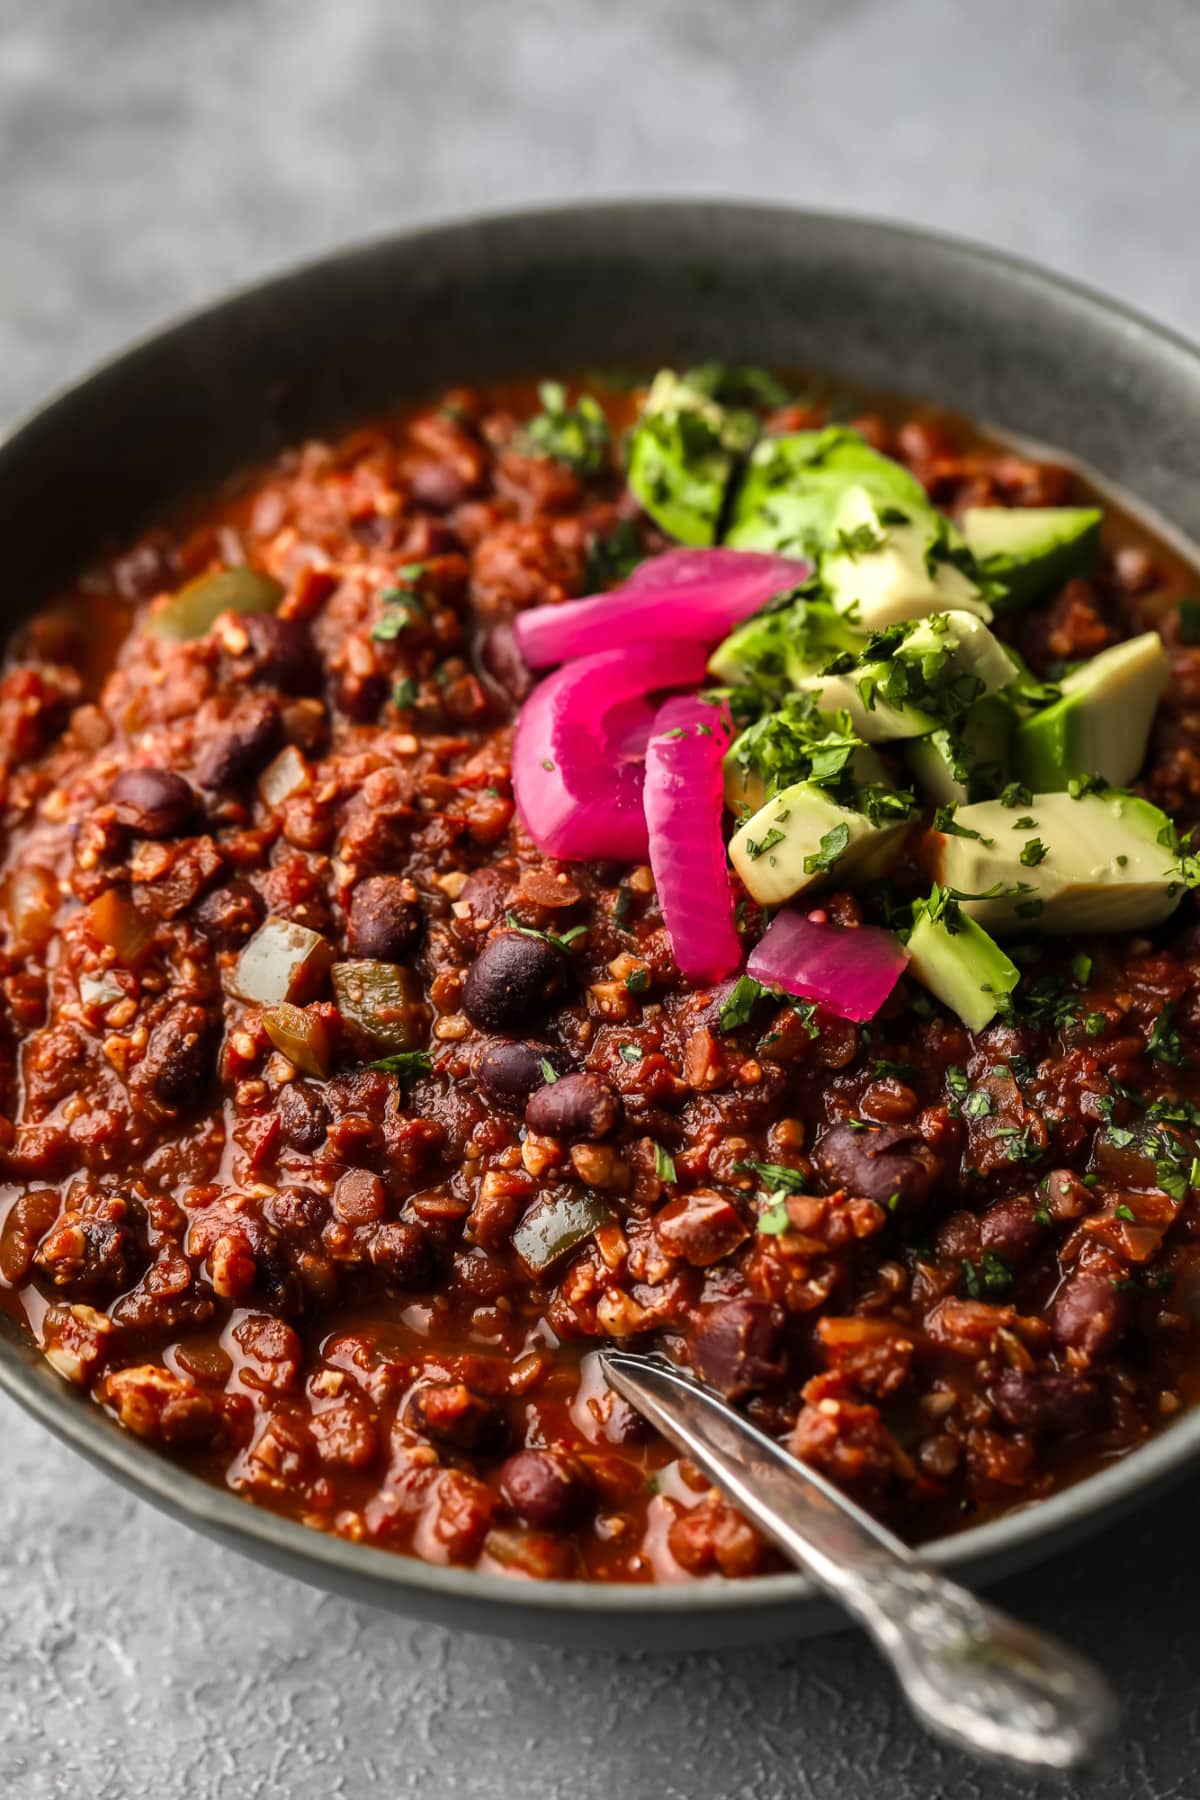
78,1421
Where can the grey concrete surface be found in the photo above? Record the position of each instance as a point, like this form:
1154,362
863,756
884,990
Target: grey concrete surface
154,152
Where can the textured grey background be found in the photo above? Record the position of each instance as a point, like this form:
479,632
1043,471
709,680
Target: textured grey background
154,152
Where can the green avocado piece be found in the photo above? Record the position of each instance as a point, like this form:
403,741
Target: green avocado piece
1104,861
1102,723
793,485
801,836
775,650
1026,550
960,964
934,673
952,767
886,566
682,454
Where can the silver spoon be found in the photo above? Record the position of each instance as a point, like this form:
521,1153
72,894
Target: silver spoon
971,1674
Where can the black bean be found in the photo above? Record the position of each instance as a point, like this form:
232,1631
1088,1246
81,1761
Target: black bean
512,981
180,1055
403,1251
735,1345
547,1489
242,745
385,918
508,1072
1049,1402
878,1162
578,1106
154,803
1089,1314
282,653
230,914
303,1116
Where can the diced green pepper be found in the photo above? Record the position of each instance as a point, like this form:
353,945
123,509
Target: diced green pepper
282,962
556,1224
303,1037
382,1003
191,611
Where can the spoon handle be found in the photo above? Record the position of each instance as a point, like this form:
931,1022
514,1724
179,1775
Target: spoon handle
973,1675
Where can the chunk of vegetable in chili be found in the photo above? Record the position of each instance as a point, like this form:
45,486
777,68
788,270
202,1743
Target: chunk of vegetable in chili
113,920
303,1037
381,1003
282,961
285,775
556,1224
196,606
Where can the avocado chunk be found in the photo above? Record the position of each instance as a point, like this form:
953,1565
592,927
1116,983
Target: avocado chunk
775,650
802,836
794,484
1026,550
886,565
682,455
1101,724
914,678
958,962
955,765
798,743
1103,862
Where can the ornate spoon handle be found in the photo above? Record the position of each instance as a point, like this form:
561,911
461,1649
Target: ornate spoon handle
971,1674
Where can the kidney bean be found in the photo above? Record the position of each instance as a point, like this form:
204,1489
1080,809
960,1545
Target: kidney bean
450,1413
1011,1228
242,745
879,1163
154,803
735,1345
1044,1402
547,1489
512,980
576,1106
230,915
508,1071
385,918
1089,1314
281,653
504,662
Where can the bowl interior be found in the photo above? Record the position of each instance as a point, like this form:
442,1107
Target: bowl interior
580,287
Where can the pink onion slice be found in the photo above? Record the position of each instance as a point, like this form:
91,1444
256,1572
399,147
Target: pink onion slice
688,595
851,970
577,762
683,800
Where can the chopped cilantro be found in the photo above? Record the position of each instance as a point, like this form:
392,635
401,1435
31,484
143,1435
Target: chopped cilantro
631,1053
559,940
664,1164
774,1221
978,1104
406,1064
575,435
1033,853
549,1072
739,1003
777,1178
637,981
833,845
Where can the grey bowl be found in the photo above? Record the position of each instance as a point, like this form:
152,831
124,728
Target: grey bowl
585,286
